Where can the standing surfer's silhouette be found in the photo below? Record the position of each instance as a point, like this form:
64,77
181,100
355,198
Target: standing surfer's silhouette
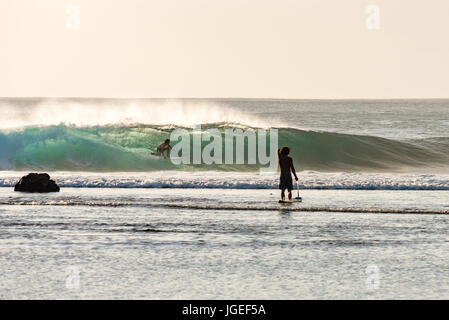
287,168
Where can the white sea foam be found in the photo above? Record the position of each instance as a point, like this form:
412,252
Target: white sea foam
238,180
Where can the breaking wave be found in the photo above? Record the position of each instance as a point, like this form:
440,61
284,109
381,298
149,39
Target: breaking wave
126,148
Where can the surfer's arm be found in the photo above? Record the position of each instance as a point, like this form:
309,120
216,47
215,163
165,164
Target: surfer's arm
293,169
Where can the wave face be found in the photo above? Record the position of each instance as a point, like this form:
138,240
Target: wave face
115,148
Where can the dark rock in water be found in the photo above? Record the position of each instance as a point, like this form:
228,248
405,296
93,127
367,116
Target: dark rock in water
36,182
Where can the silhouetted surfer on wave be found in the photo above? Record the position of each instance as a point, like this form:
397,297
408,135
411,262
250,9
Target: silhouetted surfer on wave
286,164
163,149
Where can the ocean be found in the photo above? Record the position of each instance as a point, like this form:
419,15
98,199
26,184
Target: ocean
373,223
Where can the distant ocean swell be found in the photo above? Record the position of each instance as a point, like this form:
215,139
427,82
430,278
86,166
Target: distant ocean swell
126,148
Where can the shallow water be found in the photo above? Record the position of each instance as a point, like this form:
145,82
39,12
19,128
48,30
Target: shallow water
373,223
223,244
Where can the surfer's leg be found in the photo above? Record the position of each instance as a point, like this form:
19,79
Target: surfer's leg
282,186
289,185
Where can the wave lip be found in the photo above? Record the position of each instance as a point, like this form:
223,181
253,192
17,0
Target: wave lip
82,112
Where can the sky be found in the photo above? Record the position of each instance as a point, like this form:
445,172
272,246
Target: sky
311,49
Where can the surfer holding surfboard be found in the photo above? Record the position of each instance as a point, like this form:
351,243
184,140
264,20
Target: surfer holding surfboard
287,168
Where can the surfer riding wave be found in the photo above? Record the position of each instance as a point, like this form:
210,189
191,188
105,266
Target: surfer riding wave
163,149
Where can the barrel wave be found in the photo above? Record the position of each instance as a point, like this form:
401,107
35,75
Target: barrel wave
126,148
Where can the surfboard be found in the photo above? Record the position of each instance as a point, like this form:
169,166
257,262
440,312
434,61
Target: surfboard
153,155
291,201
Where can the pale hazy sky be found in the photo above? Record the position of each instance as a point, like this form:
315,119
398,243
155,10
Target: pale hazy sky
225,48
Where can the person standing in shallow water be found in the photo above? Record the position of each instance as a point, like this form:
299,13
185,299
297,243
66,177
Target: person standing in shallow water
287,168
